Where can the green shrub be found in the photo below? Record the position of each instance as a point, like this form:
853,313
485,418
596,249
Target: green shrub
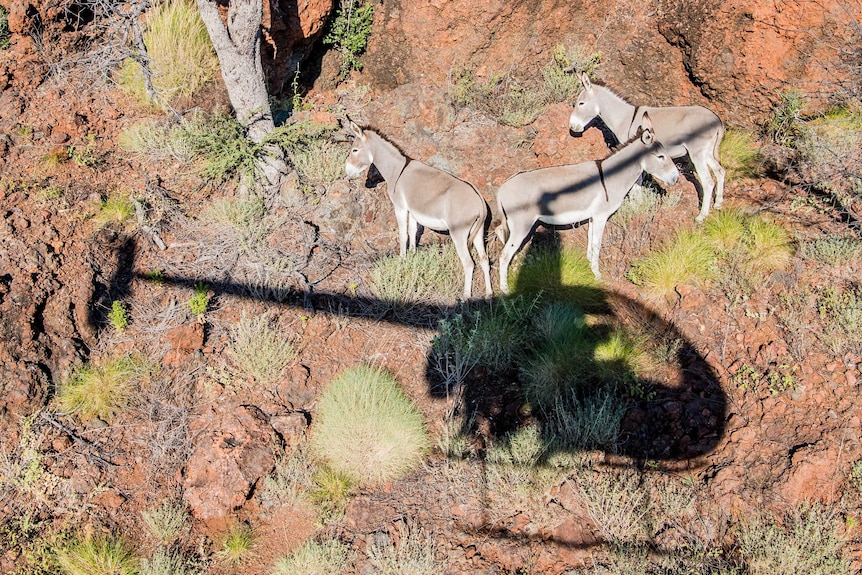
830,154
115,210
687,258
118,316
572,357
182,58
165,561
430,275
199,302
330,493
367,428
349,33
99,391
740,155
784,125
259,352
591,422
320,162
840,310
238,544
97,556
804,542
313,558
156,140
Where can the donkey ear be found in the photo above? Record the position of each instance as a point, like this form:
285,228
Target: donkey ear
353,127
585,81
646,122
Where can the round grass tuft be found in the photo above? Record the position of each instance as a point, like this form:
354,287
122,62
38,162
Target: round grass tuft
367,428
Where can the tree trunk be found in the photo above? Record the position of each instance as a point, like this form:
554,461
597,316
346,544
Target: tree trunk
237,46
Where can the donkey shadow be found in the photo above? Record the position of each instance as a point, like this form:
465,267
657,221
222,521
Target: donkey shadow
677,420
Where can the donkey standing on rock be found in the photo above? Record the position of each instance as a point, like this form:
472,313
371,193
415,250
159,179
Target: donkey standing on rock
589,191
684,130
423,195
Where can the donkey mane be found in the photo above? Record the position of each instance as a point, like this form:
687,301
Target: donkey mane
379,132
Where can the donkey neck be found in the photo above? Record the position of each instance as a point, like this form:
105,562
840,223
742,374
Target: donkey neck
621,170
615,112
390,162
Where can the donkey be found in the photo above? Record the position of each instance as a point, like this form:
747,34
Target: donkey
423,195
684,130
589,191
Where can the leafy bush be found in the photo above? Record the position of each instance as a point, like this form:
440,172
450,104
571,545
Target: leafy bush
97,556
181,57
320,162
591,422
259,352
784,125
99,391
118,316
199,302
349,33
367,428
314,558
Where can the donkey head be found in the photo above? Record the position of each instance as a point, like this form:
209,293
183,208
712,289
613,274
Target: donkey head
586,107
360,156
655,160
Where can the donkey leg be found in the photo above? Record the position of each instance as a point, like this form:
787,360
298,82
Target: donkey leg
401,216
720,174
518,234
412,231
594,243
701,170
463,249
479,246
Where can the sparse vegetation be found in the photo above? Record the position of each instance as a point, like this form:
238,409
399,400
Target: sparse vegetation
414,553
167,522
832,250
238,544
118,316
115,210
181,56
97,556
367,428
5,35
314,558
349,33
259,352
330,493
740,154
200,301
99,391
806,541
513,101
431,275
